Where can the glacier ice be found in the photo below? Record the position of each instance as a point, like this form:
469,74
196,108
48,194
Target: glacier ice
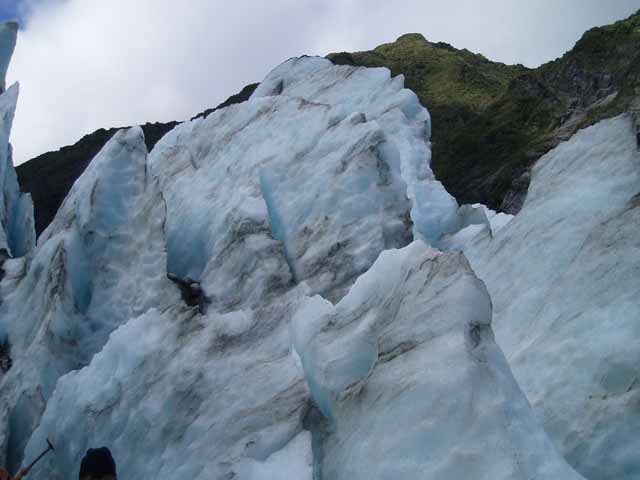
101,262
406,369
17,230
378,98
247,192
8,37
563,276
17,227
335,341
176,393
473,222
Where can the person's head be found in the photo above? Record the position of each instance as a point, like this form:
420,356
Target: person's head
98,464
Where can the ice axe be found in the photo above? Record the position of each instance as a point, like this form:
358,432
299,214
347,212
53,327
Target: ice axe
30,466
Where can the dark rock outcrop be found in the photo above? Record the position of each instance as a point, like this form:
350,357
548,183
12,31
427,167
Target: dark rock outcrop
191,291
239,97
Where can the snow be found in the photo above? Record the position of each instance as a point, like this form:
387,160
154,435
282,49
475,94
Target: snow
563,278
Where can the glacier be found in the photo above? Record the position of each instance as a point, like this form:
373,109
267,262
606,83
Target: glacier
413,385
563,278
17,225
100,263
8,37
177,393
246,188
17,231
283,289
229,395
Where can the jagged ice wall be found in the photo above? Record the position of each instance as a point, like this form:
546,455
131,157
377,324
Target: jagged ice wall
339,331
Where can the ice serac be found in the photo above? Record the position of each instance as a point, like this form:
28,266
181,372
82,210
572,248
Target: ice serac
564,280
101,262
473,222
404,369
17,230
413,385
309,180
300,221
179,394
383,100
8,36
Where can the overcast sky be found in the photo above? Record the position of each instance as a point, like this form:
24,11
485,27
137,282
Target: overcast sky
86,64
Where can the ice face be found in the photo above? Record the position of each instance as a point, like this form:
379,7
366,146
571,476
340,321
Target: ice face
249,208
372,93
323,350
17,231
100,263
17,228
563,277
175,393
406,370
8,35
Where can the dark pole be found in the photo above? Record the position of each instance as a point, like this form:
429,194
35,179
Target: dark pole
50,447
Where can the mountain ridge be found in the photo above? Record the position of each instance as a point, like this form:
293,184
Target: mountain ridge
492,121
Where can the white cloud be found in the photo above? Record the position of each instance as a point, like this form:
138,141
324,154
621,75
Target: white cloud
86,64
